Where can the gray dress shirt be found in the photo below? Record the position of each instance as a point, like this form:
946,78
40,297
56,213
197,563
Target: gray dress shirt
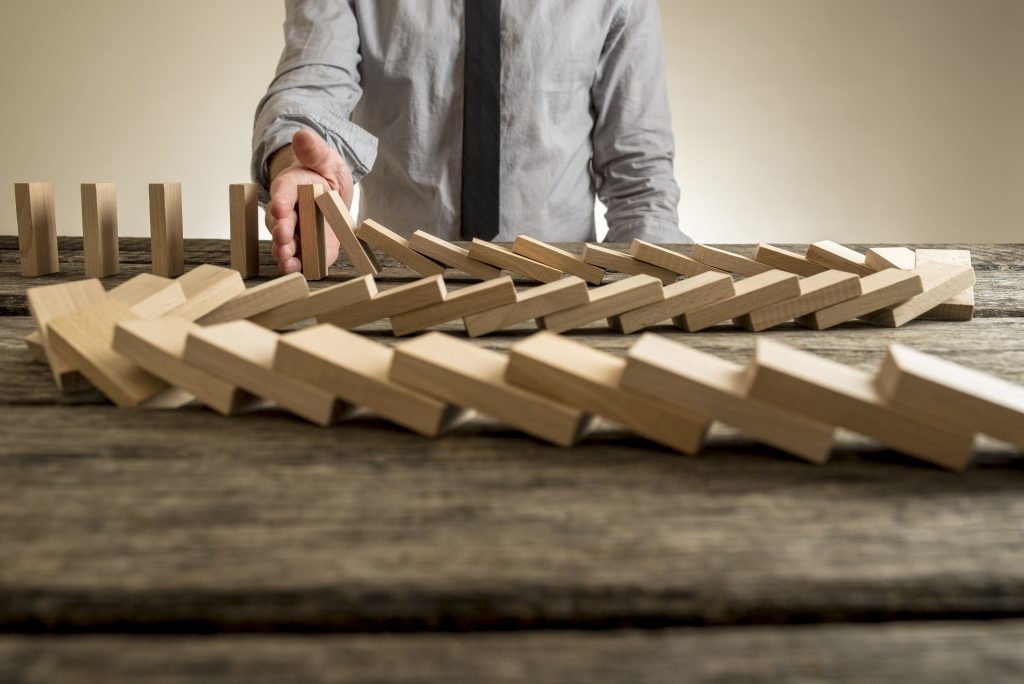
584,112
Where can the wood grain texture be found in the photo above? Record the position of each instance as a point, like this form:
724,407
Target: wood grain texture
536,302
397,247
556,257
259,299
312,238
878,290
816,292
166,231
960,307
663,257
505,259
396,300
344,226
459,304
207,288
678,298
37,229
99,229
243,202
785,260
614,260
451,255
51,302
755,292
322,301
881,258
832,255
729,262
606,301
940,282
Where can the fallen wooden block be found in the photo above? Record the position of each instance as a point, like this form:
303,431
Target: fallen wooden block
959,307
878,291
606,301
167,242
207,288
940,282
397,300
953,394
536,302
451,255
259,299
816,292
832,393
334,298
149,295
467,375
397,247
499,257
245,232
344,226
459,304
50,303
99,229
610,260
554,257
679,298
727,261
357,370
668,259
703,384
881,258
785,260
590,379
37,229
832,255
312,239
755,292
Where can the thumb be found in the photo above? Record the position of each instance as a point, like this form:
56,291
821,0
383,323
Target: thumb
314,153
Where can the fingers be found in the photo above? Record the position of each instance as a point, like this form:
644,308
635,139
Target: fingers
314,153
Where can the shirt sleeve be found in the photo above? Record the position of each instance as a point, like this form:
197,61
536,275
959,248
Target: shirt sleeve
316,87
633,142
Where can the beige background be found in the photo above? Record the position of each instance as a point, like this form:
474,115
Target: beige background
796,120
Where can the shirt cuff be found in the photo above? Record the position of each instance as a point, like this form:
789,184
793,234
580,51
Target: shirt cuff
650,229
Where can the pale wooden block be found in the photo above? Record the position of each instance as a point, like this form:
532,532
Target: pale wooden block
242,353
207,288
832,393
49,303
148,295
832,255
679,298
312,239
590,379
606,301
344,226
259,299
940,282
785,260
34,345
532,304
451,255
167,241
878,291
611,260
334,298
357,370
668,259
554,257
459,304
499,257
755,292
953,394
397,300
881,258
728,261
704,384
99,229
816,292
245,231
960,307
464,374
37,229
397,247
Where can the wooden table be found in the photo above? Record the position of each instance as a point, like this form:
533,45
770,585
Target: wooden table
363,552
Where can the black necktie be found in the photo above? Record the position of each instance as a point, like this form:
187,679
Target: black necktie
481,127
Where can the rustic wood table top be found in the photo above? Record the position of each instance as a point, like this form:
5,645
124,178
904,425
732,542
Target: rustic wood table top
363,552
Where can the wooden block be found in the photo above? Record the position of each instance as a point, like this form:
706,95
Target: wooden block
878,291
953,394
499,257
245,230
669,260
334,298
207,288
259,299
459,304
881,258
37,229
610,260
357,370
451,255
312,240
148,295
940,282
679,298
242,353
344,226
590,379
816,292
34,345
397,247
703,384
167,242
960,307
831,255
52,302
832,393
529,305
727,261
785,260
564,261
397,300
755,292
99,229
606,301
467,375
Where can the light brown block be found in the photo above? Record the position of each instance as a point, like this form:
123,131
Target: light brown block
581,376
148,295
755,292
611,260
531,304
953,394
52,302
167,241
259,299
606,301
459,304
356,369
703,384
785,260
816,292
397,247
668,259
878,291
467,375
679,298
499,257
34,346
832,255
37,229
960,307
207,288
940,282
99,229
451,255
727,261
312,239
334,298
832,393
397,300
881,258
344,226
245,230
554,257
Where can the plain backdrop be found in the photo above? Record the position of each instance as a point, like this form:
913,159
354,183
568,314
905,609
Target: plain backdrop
796,120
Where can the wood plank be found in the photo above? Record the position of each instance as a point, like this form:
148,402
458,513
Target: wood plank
459,304
960,307
52,302
344,226
207,288
149,295
166,231
755,292
243,200
816,292
391,302
679,298
555,257
612,260
397,247
534,303
319,303
940,282
668,259
606,301
312,238
37,229
99,229
259,299
878,291
832,255
881,258
499,257
728,261
785,260
451,255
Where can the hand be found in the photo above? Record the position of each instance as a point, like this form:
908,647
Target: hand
309,160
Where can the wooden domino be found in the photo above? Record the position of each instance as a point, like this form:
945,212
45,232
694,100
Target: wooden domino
256,300
959,307
755,292
679,298
832,255
464,374
99,229
245,237
207,288
816,292
878,291
728,261
534,303
611,260
167,242
785,260
37,229
881,258
554,257
590,379
940,282
334,298
312,239
397,300
499,257
53,301
459,304
668,259
344,226
451,255
606,301
397,247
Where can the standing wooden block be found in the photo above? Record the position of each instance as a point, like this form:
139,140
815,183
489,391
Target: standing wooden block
755,292
532,304
940,282
245,230
99,229
37,229
459,304
727,261
256,300
611,260
959,307
832,393
669,260
590,379
785,260
499,257
878,291
606,301
816,292
357,370
451,255
397,300
953,394
207,288
334,298
397,247
881,258
701,383
167,242
832,255
312,240
564,261
467,375
50,303
344,226
679,298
